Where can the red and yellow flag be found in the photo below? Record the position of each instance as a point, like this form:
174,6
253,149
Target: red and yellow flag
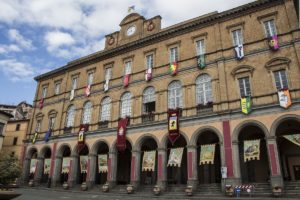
173,68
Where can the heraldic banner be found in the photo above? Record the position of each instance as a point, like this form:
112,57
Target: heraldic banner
284,98
207,154
84,164
102,163
175,157
47,164
121,137
82,129
293,138
149,161
66,165
246,105
33,163
173,125
251,150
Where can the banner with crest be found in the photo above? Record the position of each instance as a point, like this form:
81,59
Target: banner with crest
207,154
66,165
102,163
84,164
47,165
251,150
175,157
149,161
33,163
295,138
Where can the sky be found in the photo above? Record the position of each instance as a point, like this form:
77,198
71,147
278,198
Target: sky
37,36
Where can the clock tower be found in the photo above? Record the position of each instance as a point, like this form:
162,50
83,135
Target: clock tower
133,27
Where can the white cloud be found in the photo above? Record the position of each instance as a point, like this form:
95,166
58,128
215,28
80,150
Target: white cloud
15,36
5,49
56,39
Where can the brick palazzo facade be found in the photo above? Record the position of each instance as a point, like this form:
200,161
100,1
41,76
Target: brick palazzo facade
208,99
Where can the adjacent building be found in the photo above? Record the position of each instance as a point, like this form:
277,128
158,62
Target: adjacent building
175,105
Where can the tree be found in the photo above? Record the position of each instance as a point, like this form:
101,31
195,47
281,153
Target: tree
10,169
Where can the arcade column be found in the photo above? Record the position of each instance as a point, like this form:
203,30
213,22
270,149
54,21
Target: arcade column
162,168
192,166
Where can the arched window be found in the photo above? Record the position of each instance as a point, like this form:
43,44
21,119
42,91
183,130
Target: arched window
175,95
203,89
87,112
126,105
149,100
70,116
105,109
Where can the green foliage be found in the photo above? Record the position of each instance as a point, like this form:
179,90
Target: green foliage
10,169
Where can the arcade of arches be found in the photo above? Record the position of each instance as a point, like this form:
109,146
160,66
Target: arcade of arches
278,159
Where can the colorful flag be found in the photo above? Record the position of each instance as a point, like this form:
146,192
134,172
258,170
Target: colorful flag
295,138
284,98
148,74
106,85
207,154
201,61
131,9
82,129
35,136
246,104
66,165
175,157
84,164
251,150
41,104
102,163
121,134
148,163
173,125
239,51
126,80
48,135
173,68
87,90
33,164
72,94
273,42
47,165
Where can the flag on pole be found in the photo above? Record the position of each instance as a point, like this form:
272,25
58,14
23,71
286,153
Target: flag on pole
284,98
148,74
131,9
34,137
48,135
201,61
41,104
273,42
246,104
87,90
106,85
72,94
239,51
173,68
126,80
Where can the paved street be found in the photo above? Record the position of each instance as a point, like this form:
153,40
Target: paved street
50,194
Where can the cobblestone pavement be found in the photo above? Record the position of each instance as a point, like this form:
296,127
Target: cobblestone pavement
58,194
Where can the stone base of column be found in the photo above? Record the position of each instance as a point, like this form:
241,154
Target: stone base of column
276,181
136,184
71,183
162,185
192,182
230,181
90,184
111,184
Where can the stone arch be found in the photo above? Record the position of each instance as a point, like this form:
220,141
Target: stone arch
113,148
201,130
30,152
163,142
96,144
245,123
74,151
61,148
43,151
281,119
138,143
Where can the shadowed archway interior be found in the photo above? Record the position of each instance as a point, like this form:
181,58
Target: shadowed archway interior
101,178
47,155
81,177
124,165
66,152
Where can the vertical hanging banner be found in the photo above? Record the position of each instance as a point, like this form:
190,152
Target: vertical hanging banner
201,61
48,135
35,136
47,165
148,74
148,163
175,157
33,164
284,98
273,43
83,164
87,90
246,105
41,103
207,154
239,51
106,85
173,125
126,80
82,129
121,135
295,138
66,165
72,94
173,68
102,163
251,150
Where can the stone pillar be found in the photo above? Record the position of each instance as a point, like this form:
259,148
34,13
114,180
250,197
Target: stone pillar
26,168
236,162
72,179
39,170
56,171
92,170
162,168
275,175
135,173
112,169
192,166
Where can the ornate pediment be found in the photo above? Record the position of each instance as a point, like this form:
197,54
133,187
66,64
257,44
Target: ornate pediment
280,62
242,69
131,18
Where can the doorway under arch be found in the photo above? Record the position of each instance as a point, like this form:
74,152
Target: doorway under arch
66,152
101,177
124,165
46,154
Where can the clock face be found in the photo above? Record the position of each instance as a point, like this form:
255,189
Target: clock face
131,30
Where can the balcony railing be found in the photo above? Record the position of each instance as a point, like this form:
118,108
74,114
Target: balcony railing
68,130
103,124
148,117
203,109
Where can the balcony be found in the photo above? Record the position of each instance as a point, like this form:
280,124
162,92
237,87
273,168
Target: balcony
203,109
148,117
68,130
103,124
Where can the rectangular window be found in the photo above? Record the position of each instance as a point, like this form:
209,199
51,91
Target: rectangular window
108,73
1,128
90,78
200,48
237,37
280,79
74,83
18,127
270,28
51,122
38,126
15,141
57,88
244,85
173,54
44,91
128,65
149,61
